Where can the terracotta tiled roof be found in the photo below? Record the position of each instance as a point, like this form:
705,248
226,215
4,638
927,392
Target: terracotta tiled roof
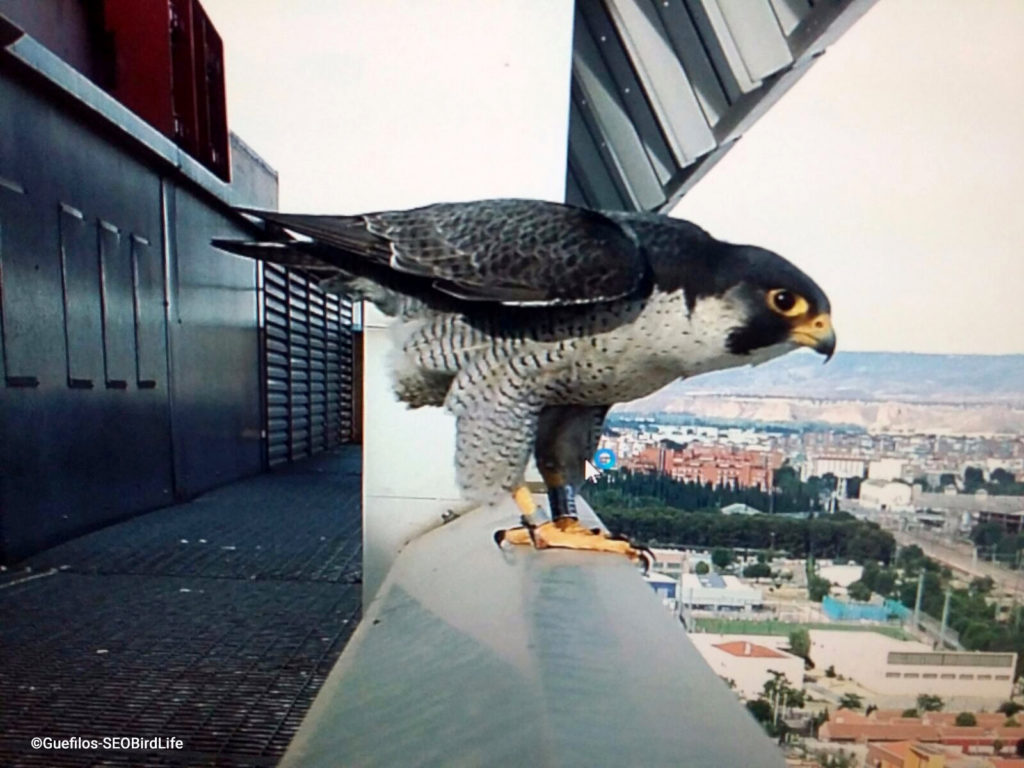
869,731
848,716
892,749
742,648
984,719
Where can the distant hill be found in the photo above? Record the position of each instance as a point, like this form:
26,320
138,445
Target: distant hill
873,376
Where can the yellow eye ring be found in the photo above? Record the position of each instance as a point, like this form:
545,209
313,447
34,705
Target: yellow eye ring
786,303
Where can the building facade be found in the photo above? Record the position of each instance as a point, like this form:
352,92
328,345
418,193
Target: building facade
902,669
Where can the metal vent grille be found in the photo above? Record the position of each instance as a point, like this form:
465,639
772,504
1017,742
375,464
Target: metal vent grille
307,342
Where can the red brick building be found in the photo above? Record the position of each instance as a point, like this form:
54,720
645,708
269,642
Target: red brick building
715,464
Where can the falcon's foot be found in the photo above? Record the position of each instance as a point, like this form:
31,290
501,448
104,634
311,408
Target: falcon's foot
568,533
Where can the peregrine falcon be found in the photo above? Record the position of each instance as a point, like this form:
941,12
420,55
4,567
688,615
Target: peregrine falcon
528,320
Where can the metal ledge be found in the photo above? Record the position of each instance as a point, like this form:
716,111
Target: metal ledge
471,656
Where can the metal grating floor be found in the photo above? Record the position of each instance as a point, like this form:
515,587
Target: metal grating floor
215,622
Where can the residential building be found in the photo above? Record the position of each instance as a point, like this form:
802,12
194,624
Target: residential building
886,469
706,463
840,466
909,754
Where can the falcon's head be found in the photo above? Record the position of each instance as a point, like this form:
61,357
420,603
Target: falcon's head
781,306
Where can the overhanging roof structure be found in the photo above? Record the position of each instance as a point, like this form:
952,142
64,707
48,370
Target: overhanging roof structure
662,89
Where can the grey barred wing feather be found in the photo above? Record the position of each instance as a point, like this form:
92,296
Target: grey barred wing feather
507,251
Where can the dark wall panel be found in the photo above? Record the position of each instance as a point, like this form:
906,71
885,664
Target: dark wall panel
215,358
71,458
31,308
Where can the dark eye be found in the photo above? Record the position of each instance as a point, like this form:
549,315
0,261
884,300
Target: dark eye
787,303
784,301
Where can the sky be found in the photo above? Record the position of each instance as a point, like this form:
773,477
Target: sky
890,172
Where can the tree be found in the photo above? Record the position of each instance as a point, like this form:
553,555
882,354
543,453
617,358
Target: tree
722,557
836,760
702,568
757,571
760,709
982,585
910,713
974,479
817,588
1001,477
987,534
859,591
800,643
851,701
966,719
929,702
1010,708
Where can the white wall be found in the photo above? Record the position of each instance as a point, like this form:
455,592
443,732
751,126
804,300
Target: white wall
525,48
750,673
863,656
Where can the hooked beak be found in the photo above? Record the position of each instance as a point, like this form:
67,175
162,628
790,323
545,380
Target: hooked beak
816,333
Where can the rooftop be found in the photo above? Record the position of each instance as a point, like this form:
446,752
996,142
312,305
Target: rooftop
752,650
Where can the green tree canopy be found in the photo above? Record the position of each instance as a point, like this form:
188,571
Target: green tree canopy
929,702
757,571
800,642
966,719
722,557
859,591
702,568
817,588
987,534
760,709
1010,708
851,701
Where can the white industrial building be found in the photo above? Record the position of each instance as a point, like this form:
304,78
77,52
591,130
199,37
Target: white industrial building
840,466
903,669
748,660
715,592
886,469
886,494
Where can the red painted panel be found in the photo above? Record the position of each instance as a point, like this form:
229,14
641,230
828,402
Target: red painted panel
169,69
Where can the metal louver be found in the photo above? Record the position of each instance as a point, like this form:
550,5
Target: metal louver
662,89
307,343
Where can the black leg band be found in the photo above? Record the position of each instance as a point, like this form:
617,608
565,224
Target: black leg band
563,502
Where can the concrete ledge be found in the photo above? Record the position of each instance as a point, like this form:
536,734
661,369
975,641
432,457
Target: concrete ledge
474,656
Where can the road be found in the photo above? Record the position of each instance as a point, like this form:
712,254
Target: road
960,557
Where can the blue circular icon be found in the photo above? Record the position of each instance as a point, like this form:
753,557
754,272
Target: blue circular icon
605,459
